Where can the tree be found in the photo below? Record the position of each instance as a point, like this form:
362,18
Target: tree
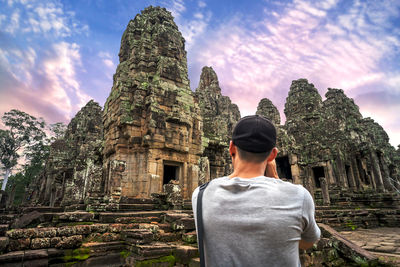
58,130
8,154
24,135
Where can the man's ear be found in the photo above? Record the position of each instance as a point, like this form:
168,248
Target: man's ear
273,154
232,149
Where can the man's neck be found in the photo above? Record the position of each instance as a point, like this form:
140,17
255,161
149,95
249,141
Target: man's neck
248,170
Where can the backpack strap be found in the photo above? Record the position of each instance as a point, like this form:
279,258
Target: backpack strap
200,229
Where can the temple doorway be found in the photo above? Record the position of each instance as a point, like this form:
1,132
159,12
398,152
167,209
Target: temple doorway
347,168
283,167
318,172
171,172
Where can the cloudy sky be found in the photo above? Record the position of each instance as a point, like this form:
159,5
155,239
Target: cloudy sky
57,55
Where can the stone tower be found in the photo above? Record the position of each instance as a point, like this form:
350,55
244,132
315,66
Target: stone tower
268,110
286,161
152,123
219,117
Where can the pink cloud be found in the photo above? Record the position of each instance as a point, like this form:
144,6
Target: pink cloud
305,41
45,87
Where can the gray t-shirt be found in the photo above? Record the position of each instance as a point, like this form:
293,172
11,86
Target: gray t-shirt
255,222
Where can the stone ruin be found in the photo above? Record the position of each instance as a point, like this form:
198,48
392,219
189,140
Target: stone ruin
116,189
74,169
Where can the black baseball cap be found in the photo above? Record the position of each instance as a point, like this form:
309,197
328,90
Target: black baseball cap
254,134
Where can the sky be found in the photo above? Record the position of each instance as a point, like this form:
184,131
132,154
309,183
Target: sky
57,55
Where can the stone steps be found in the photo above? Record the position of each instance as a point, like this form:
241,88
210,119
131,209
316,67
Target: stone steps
128,200
136,207
110,217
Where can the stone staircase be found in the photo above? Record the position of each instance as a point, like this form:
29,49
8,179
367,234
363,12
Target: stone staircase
136,235
350,210
137,232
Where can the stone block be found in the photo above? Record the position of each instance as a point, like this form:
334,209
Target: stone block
54,241
108,237
46,232
21,233
19,244
190,237
77,216
83,229
27,219
37,243
187,224
14,256
66,231
4,241
194,262
184,254
168,237
70,242
3,229
138,236
99,228
153,250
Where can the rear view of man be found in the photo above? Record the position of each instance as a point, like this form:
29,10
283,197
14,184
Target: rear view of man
250,219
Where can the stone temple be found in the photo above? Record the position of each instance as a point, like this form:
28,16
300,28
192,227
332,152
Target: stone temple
154,130
122,177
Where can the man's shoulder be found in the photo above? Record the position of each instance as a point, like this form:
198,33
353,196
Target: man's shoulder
213,181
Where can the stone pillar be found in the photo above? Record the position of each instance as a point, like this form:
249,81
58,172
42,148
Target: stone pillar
356,172
294,167
325,191
350,176
385,173
361,170
376,172
329,172
341,171
308,181
204,171
295,173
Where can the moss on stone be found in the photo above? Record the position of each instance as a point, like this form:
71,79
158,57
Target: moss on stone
125,253
79,254
153,262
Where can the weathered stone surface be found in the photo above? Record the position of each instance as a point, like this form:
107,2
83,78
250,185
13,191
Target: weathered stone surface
269,111
4,241
37,243
152,123
219,117
78,216
74,168
161,139
184,254
70,242
26,219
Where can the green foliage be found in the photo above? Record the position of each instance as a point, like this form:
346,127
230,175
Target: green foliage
351,225
125,254
79,254
58,129
24,138
8,154
153,262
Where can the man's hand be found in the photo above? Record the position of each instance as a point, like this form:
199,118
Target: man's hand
270,170
305,245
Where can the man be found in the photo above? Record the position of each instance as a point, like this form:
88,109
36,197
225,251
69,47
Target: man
250,219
